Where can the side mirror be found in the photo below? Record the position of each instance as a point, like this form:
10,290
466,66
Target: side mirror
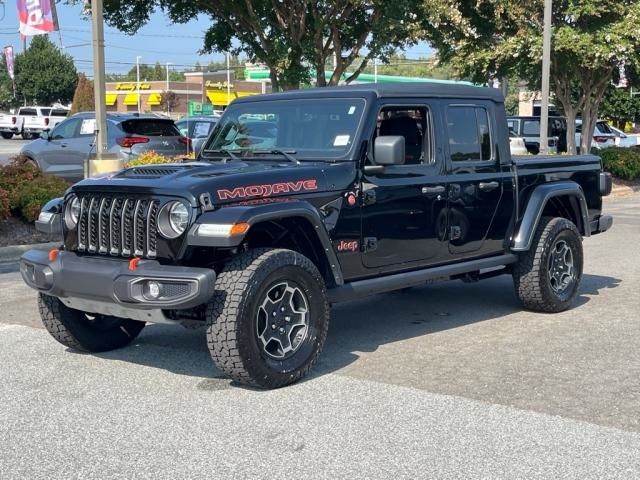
389,150
45,135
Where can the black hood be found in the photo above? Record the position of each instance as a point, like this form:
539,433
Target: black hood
228,182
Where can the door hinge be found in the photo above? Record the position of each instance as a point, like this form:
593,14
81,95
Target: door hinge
370,244
368,197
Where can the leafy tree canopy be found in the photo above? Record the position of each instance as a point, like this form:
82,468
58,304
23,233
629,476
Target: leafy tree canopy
288,36
591,39
83,98
44,75
148,73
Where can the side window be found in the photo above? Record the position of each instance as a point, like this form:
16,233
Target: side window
88,127
412,123
66,129
531,128
201,129
469,133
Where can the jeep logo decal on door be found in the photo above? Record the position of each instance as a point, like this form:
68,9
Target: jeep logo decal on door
253,191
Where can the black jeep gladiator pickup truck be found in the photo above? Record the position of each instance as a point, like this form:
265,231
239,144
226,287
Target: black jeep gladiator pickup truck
303,199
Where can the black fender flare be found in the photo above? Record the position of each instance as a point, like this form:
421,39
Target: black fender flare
523,235
255,213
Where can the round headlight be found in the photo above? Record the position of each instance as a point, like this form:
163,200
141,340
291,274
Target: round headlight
173,220
72,213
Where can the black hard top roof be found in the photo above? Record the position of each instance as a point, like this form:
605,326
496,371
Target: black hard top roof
392,90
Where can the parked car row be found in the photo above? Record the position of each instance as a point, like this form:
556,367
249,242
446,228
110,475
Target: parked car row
528,128
64,150
31,121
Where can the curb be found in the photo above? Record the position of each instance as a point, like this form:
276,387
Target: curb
14,252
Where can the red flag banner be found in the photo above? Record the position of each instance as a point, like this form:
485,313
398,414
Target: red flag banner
36,17
8,57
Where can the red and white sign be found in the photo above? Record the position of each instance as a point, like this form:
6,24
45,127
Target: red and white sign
36,17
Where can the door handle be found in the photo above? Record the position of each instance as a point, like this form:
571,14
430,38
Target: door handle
432,190
488,186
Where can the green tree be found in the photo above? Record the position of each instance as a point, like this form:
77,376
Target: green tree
83,98
44,75
289,36
169,101
495,38
148,73
620,106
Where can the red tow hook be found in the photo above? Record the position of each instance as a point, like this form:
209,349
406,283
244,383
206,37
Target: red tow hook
53,254
133,263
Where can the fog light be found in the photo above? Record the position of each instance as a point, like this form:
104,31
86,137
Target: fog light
152,290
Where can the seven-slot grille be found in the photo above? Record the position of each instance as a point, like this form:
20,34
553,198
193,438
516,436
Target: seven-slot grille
119,226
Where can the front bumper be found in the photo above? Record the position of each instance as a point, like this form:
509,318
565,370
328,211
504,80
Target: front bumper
107,286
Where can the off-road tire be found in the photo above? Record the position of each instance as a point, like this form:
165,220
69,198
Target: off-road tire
232,315
531,276
7,135
73,329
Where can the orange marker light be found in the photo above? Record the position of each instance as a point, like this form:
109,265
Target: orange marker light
53,254
133,263
238,229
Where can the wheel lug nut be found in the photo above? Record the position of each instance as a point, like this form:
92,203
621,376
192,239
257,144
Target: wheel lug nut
273,314
282,309
281,330
273,326
287,318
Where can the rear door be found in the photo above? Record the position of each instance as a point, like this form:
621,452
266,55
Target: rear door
58,155
404,207
478,217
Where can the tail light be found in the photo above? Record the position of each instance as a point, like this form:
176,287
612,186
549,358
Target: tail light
128,142
186,141
46,120
14,120
599,139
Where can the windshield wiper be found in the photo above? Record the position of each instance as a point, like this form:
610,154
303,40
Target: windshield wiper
285,153
224,151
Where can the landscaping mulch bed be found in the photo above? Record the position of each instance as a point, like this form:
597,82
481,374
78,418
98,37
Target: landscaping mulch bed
15,231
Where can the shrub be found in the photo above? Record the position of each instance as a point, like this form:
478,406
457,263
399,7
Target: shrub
33,196
26,189
5,211
621,162
149,157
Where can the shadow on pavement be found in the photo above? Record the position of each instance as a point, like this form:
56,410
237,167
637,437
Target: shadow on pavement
357,326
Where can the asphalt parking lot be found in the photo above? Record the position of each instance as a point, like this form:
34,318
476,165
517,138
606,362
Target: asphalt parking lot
450,380
10,148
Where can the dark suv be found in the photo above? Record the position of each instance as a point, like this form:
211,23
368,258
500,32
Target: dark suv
64,150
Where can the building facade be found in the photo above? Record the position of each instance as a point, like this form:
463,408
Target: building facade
202,87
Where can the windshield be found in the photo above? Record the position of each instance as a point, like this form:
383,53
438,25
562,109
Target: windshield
323,128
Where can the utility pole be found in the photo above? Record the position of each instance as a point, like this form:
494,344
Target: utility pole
228,80
97,29
138,58
546,72
167,90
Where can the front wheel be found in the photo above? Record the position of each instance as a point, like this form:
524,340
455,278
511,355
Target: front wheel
7,135
547,277
268,320
86,332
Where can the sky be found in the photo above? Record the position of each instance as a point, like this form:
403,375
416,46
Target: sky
158,41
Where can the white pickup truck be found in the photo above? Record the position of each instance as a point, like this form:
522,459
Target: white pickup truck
31,121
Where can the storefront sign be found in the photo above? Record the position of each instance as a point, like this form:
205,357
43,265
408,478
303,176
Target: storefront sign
132,86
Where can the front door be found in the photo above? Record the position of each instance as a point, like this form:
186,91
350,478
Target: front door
478,216
403,208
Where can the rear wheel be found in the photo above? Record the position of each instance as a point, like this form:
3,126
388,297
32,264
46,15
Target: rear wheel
84,331
547,277
27,136
6,135
268,320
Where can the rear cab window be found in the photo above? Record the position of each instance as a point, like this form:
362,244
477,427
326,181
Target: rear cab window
151,128
28,112
469,131
59,113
